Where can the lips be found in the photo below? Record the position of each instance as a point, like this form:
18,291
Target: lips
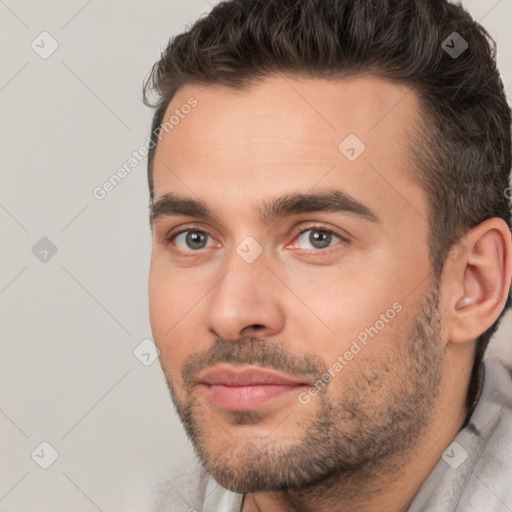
230,376
245,388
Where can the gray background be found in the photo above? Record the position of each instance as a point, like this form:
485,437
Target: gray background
69,376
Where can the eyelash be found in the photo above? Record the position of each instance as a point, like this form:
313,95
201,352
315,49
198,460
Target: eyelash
316,227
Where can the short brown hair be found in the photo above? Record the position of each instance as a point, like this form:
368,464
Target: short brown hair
462,151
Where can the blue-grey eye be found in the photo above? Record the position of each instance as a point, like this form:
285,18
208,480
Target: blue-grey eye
318,238
194,240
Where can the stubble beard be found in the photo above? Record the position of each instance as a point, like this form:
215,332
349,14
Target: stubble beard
376,418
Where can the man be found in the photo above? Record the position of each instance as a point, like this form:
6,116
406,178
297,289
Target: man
331,255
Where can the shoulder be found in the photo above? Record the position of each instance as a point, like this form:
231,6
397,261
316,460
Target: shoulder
488,441
475,471
488,482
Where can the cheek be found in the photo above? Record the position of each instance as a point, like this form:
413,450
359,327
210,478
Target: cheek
169,296
171,309
343,308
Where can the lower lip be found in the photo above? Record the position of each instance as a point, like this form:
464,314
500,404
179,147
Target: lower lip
240,398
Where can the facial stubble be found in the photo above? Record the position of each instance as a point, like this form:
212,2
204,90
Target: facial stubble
376,414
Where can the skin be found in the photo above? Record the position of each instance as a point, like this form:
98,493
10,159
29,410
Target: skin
301,303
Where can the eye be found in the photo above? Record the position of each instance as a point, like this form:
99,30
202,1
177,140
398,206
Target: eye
317,237
191,240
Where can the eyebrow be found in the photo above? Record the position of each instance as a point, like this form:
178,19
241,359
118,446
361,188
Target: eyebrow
329,201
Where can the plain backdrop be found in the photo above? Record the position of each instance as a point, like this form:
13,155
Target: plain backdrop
73,281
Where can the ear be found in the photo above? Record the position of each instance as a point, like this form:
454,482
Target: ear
477,280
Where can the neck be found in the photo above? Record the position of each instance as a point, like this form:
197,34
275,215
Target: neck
388,485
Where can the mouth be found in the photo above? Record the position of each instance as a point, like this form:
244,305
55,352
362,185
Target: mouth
246,388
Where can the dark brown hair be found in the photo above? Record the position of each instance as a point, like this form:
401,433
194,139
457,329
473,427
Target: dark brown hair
462,150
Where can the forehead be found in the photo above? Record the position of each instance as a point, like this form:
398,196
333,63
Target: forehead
281,135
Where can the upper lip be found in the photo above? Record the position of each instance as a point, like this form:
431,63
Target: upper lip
226,375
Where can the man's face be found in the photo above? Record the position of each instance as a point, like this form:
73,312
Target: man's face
298,342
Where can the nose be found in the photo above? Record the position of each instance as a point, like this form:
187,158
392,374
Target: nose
245,302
